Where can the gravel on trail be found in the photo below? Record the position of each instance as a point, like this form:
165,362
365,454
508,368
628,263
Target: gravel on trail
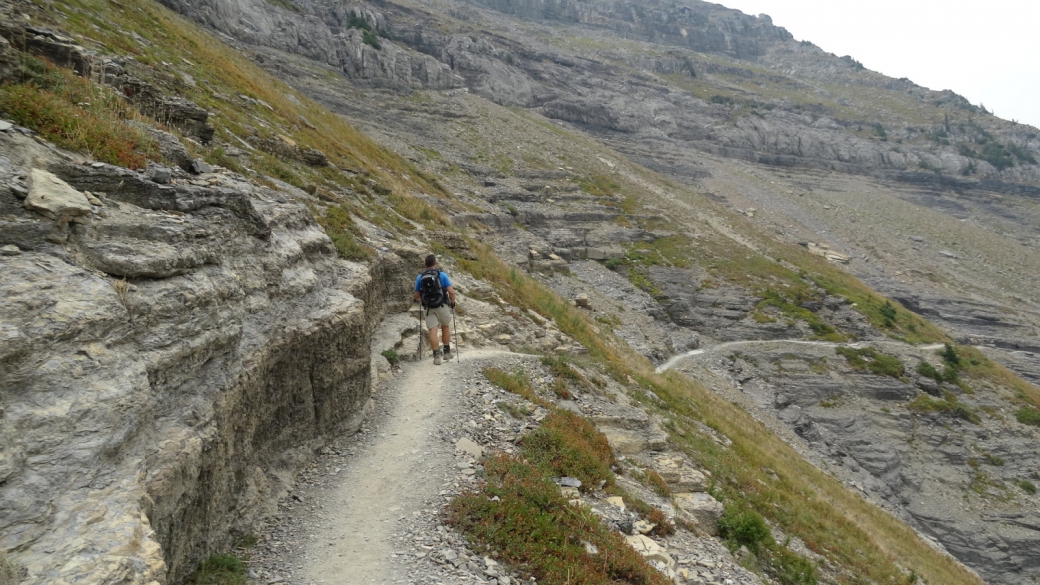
369,509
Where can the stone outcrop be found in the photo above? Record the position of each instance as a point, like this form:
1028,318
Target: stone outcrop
54,198
324,34
167,366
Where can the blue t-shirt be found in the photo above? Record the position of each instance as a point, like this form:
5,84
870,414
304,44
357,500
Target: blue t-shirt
445,283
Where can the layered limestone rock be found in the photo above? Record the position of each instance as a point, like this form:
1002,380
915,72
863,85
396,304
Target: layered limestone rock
167,361
328,34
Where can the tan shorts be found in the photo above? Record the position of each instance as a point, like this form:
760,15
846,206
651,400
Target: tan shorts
439,316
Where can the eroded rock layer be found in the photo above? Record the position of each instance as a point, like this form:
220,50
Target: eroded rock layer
166,361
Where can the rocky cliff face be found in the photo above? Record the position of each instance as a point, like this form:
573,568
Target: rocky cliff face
665,91
169,354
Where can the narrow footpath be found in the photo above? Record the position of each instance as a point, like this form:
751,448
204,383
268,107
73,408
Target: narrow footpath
369,510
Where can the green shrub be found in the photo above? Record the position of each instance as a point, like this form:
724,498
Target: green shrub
1027,486
1028,416
791,308
392,357
516,382
220,570
950,405
928,371
1022,154
876,362
950,356
995,154
791,569
744,527
512,210
888,312
522,517
369,38
568,445
722,99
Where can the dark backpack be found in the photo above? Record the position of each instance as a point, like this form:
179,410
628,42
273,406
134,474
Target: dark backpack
430,290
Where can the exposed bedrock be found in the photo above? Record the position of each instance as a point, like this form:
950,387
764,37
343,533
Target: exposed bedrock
150,417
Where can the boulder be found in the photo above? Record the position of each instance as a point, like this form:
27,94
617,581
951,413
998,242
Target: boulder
630,442
53,197
700,508
650,550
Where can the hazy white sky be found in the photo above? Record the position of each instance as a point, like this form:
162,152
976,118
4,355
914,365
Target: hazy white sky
987,51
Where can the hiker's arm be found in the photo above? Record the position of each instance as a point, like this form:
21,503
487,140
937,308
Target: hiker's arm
415,295
451,295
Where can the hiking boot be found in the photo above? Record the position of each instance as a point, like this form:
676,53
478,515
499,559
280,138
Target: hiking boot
436,357
447,353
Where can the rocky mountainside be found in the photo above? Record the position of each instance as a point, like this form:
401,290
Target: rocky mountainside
707,191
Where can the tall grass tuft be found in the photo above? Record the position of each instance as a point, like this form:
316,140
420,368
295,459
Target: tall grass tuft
76,114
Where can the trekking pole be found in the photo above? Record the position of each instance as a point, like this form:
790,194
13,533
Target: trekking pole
420,333
458,354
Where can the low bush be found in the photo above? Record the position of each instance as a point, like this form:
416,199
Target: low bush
220,570
873,361
392,357
950,405
523,518
517,411
1028,416
928,371
950,356
791,569
1027,486
662,526
744,527
791,308
568,444
888,313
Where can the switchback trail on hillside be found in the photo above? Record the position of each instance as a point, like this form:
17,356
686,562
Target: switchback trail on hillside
675,359
371,510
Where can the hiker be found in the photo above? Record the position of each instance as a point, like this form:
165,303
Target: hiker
434,291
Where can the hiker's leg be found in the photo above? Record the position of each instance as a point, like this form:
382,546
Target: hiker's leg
432,325
446,334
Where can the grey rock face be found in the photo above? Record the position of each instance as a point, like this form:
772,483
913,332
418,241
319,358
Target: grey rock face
323,35
150,416
956,481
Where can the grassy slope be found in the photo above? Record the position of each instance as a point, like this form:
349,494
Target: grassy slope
865,541
856,535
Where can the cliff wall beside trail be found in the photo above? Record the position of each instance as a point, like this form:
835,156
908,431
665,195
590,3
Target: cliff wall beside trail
167,358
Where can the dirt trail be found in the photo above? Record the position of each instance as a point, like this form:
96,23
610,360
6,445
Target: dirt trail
404,466
675,359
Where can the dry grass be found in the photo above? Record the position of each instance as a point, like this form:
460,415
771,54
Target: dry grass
76,114
861,538
10,573
220,72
